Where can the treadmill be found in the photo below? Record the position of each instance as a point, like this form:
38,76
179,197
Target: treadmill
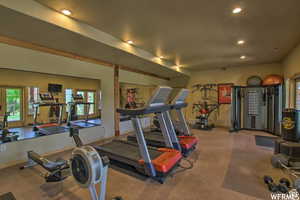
47,100
79,100
187,141
156,163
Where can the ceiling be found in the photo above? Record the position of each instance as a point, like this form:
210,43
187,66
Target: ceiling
26,28
197,34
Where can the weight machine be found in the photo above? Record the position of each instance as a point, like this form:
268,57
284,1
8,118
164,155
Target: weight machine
131,101
257,108
205,107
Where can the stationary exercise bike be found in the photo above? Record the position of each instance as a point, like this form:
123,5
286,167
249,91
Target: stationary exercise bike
85,165
5,134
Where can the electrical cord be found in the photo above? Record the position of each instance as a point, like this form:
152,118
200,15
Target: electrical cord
182,167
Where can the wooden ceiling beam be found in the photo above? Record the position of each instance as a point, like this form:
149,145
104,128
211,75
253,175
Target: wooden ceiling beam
37,47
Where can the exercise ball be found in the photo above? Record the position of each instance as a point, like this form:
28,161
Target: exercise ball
273,79
254,81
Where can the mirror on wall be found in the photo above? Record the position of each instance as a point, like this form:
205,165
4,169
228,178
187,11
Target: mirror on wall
44,104
133,96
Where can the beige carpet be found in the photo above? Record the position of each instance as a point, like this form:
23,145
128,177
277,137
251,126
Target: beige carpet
226,166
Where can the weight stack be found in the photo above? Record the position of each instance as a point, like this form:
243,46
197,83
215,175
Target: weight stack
291,125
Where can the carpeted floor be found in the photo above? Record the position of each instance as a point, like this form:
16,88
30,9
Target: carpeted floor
226,166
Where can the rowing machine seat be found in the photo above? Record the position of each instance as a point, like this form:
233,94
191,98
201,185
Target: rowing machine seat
45,163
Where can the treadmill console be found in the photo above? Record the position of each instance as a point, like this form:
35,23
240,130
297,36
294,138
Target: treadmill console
46,97
160,96
181,96
77,98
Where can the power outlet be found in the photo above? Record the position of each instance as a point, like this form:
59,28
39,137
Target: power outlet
2,147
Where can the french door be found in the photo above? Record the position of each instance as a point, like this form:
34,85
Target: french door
11,101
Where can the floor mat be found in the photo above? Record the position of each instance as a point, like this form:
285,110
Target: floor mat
247,168
265,141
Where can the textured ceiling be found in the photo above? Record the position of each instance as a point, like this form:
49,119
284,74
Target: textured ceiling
198,34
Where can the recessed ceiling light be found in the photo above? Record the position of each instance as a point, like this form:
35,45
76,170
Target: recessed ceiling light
243,57
237,10
130,42
240,42
66,12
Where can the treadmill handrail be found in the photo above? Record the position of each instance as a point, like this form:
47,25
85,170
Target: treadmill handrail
181,96
40,104
159,96
179,106
143,111
79,102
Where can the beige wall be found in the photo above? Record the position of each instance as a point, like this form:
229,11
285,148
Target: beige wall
35,61
18,58
291,64
291,69
140,79
235,75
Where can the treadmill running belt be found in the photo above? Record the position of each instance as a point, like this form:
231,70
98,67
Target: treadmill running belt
157,139
83,124
163,159
126,150
52,130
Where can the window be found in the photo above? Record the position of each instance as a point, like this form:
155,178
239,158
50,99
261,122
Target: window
13,103
33,96
298,94
81,107
68,95
91,99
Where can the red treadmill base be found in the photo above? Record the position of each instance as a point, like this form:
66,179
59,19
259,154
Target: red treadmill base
166,161
187,142
47,125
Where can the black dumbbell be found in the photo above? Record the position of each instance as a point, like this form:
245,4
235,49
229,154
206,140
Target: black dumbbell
117,198
270,182
297,185
284,185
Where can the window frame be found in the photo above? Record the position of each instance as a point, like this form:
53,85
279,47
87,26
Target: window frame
3,102
27,102
85,91
297,93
